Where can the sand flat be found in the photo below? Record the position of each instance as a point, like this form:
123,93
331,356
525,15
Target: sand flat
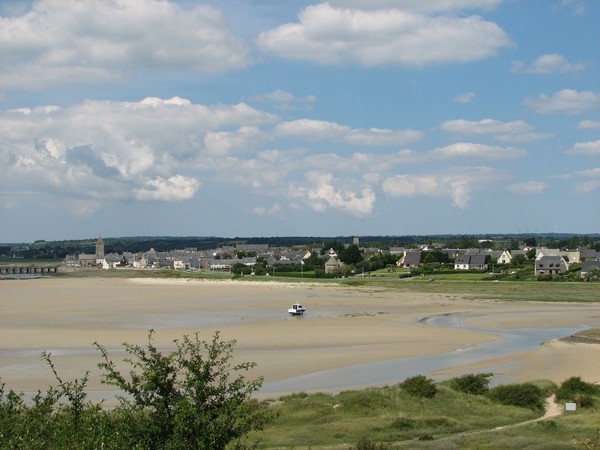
343,326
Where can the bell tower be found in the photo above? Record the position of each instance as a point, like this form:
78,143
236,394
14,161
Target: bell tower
99,248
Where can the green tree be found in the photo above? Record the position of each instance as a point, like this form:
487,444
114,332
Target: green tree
351,255
518,260
191,398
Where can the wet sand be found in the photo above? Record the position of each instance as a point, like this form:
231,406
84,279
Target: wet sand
343,326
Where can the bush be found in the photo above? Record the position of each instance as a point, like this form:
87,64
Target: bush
186,399
364,443
476,384
574,387
525,395
192,398
419,386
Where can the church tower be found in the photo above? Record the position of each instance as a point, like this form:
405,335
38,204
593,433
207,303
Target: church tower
99,248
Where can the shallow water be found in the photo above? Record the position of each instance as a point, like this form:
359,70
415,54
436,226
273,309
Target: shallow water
510,342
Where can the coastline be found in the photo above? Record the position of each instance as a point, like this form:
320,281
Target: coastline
343,327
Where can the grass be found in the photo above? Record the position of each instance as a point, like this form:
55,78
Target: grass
389,416
477,289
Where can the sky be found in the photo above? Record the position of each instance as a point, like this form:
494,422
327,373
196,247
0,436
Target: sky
258,118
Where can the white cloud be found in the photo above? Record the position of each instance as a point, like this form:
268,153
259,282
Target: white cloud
589,124
545,64
514,131
88,41
321,193
120,150
457,184
272,211
285,100
333,35
175,188
578,6
567,101
528,187
476,151
465,98
418,5
587,187
585,148
317,130
243,139
485,126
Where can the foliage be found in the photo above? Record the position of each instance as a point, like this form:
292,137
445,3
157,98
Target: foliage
525,395
575,389
191,398
592,274
186,399
419,386
364,443
351,255
476,384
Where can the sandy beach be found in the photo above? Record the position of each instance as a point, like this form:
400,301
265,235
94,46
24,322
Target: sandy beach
344,327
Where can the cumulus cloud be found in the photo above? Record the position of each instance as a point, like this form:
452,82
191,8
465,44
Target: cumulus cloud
119,150
271,211
589,186
87,41
175,188
589,124
285,100
528,187
316,130
458,184
226,142
467,97
328,34
585,148
321,193
476,151
545,64
514,131
567,101
418,5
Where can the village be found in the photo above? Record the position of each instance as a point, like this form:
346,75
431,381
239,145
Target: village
263,259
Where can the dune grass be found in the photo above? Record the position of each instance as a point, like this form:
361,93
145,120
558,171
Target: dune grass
391,418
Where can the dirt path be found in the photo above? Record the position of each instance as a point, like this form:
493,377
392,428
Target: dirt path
553,409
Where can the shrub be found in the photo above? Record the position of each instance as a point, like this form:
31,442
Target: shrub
419,386
403,423
573,387
476,384
191,398
364,443
525,395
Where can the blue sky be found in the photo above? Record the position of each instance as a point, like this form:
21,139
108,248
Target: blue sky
283,118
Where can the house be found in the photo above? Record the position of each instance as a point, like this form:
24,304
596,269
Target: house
332,265
550,265
411,258
587,266
542,251
507,256
470,262
588,253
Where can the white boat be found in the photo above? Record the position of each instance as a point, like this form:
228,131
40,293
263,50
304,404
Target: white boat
297,309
